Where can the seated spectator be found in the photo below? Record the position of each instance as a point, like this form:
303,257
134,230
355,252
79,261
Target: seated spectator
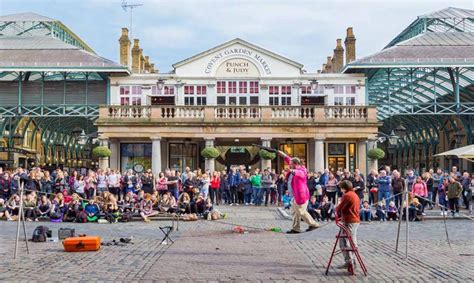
127,204
365,212
415,210
168,203
392,211
4,210
13,205
44,207
287,200
5,186
29,207
208,210
92,210
380,212
313,209
184,203
146,208
327,209
59,208
200,205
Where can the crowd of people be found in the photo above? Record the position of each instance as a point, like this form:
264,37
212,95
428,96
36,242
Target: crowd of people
114,196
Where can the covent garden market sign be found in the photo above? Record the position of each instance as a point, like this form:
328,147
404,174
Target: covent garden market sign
238,65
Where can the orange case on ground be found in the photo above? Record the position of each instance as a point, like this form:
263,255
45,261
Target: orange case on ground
82,244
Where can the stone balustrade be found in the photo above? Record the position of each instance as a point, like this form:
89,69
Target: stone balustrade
268,114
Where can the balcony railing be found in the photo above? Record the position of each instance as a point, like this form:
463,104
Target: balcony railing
268,114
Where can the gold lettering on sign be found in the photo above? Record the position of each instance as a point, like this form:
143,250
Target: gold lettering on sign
237,67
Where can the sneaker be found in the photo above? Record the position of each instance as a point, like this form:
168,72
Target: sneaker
292,232
456,214
311,228
442,213
10,219
424,214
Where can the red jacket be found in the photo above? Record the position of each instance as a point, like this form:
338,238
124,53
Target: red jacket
215,182
349,208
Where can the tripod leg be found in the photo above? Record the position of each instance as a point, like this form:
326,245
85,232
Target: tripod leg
24,234
20,212
399,226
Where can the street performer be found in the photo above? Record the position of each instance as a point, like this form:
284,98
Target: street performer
299,192
348,209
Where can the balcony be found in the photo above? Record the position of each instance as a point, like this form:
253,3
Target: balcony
236,114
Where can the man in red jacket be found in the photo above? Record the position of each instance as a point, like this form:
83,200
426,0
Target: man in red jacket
348,210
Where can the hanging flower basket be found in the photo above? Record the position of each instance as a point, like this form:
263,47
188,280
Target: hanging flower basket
210,152
264,154
376,154
101,152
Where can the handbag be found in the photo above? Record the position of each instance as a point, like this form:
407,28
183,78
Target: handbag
374,189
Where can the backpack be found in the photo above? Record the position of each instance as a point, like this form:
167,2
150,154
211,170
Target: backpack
40,233
126,216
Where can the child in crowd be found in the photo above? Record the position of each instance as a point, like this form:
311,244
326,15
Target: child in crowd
415,210
392,211
365,212
313,209
327,209
4,210
380,212
287,200
92,210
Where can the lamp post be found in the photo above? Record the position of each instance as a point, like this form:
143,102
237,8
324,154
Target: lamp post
160,83
314,85
18,139
400,131
82,138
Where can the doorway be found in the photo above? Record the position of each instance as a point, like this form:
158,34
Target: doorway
336,163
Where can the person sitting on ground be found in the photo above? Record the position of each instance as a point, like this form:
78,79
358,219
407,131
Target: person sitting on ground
313,209
29,207
392,211
380,212
13,205
127,204
146,208
72,211
168,203
208,210
44,207
59,208
287,200
327,209
365,212
415,210
184,203
4,210
92,210
200,205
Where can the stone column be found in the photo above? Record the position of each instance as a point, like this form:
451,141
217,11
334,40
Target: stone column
115,156
155,155
264,164
209,163
318,155
372,164
362,157
104,161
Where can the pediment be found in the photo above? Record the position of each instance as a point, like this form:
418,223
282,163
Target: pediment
237,58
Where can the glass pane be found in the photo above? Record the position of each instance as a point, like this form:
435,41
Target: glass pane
254,100
242,100
221,100
232,100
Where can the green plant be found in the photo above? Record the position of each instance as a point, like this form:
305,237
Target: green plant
376,153
101,151
210,152
264,154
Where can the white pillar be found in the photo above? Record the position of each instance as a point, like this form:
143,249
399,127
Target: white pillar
264,164
318,155
209,163
362,157
156,155
115,156
372,164
104,161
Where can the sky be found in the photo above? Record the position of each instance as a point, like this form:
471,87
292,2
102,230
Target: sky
173,30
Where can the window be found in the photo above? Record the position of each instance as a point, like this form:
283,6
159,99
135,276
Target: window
274,100
242,87
338,100
286,89
221,87
130,95
254,87
232,87
338,89
167,90
305,89
182,155
132,154
221,100
279,95
351,89
286,101
350,100
273,90
195,95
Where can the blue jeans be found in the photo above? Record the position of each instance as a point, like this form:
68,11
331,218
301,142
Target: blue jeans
443,202
384,195
247,197
256,195
366,215
398,200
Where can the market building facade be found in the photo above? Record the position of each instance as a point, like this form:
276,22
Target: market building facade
230,97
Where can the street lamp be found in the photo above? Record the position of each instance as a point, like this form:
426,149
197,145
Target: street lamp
18,139
393,138
459,136
160,84
391,148
314,84
82,138
76,132
400,131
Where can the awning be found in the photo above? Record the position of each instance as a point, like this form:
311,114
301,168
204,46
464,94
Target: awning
466,152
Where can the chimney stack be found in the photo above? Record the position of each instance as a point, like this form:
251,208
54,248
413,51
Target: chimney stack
136,54
147,64
350,46
338,57
124,42
152,68
329,68
324,69
142,61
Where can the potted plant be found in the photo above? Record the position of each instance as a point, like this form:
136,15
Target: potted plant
376,154
264,154
101,152
210,152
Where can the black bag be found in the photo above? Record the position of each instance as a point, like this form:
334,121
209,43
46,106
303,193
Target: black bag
126,216
40,233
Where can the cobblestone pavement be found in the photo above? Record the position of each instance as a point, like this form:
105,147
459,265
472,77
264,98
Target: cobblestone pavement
210,251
